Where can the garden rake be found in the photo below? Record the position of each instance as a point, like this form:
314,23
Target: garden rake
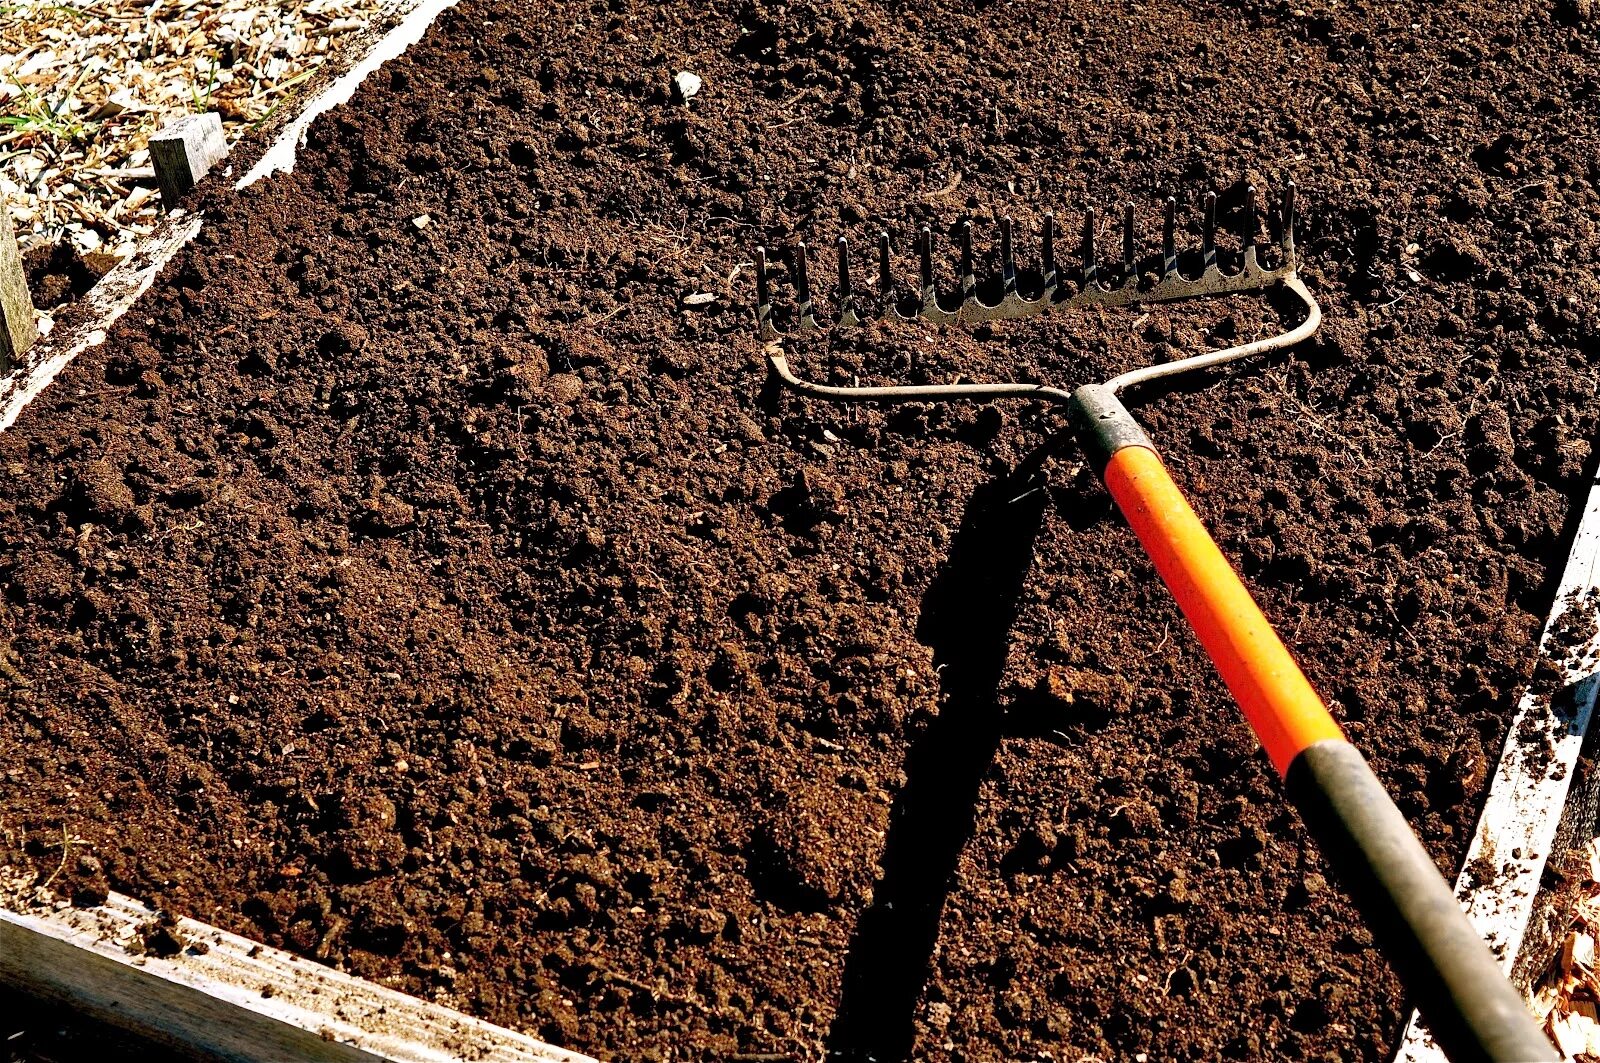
1472,1009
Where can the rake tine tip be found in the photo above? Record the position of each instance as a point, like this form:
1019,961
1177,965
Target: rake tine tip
925,264
1088,246
1008,263
1047,249
1130,249
1169,238
969,284
1286,236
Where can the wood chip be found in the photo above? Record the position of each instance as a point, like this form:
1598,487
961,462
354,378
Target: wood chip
83,84
1567,997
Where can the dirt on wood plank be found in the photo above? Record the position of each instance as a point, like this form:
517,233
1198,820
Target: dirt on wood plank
454,602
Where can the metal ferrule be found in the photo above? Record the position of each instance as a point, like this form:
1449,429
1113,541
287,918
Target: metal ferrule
1103,425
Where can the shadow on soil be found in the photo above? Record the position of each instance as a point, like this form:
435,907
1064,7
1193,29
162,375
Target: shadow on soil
966,620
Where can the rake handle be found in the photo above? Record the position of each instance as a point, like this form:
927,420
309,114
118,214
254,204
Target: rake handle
1472,1010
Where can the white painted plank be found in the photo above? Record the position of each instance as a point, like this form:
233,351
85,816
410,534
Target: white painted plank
1529,789
226,997
106,301
408,31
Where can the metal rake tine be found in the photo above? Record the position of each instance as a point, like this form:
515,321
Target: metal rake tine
1169,239
763,293
1088,247
969,282
802,282
1130,242
925,266
1252,224
1008,263
1047,250
1267,258
846,296
1208,234
1286,221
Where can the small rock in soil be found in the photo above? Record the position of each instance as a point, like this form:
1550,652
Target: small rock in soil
703,924
686,85
161,938
87,885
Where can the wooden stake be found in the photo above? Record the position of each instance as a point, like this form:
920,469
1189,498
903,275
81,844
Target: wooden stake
18,330
184,152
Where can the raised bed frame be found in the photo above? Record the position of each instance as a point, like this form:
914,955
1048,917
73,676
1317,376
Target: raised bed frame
222,996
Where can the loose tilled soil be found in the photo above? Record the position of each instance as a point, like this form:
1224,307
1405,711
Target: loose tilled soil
449,602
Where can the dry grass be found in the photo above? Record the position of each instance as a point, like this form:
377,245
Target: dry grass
83,84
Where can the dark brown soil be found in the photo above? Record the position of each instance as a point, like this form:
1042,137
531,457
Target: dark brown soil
453,604
59,274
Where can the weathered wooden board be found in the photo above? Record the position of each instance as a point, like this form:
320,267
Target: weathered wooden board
18,330
226,997
1500,882
184,151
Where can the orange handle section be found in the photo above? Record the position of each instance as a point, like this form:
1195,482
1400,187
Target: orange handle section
1276,697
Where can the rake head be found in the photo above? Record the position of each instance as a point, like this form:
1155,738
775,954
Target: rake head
1153,278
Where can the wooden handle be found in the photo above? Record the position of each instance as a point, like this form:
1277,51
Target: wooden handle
1283,709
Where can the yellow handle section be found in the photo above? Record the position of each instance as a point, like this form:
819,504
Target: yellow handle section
1277,699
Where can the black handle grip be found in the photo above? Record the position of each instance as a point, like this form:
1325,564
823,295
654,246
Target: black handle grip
1472,1010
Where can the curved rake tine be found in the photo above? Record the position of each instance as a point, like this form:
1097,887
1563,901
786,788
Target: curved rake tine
1208,234
802,283
763,294
885,278
1286,220
1252,224
1089,276
969,282
847,303
925,268
1169,239
1047,251
1130,243
1008,263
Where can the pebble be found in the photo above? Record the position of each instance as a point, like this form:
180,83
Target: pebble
422,221
686,84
